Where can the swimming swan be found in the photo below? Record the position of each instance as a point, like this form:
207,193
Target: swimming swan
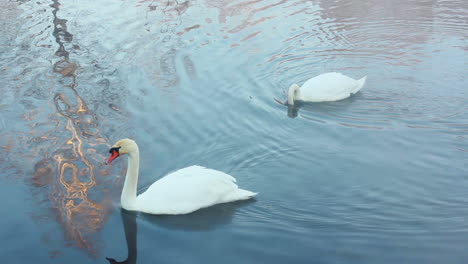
180,192
330,86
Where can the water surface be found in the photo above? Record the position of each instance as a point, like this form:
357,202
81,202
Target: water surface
380,177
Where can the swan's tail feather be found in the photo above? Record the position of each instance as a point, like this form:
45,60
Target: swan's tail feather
360,84
240,194
247,194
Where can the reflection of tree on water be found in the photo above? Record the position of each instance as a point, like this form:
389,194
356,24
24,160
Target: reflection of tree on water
70,153
390,28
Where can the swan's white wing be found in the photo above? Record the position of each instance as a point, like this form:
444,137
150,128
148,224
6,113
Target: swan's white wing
190,189
328,87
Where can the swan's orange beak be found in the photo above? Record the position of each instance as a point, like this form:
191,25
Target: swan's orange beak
114,155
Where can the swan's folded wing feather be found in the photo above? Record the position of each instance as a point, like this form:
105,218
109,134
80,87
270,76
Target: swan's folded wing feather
190,189
328,87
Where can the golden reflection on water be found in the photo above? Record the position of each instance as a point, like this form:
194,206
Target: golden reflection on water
71,174
79,191
71,147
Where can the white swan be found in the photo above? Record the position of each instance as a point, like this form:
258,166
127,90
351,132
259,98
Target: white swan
330,86
180,192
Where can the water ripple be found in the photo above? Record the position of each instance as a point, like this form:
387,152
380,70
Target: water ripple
193,82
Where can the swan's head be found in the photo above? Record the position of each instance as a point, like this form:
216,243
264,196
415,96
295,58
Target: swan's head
294,93
121,147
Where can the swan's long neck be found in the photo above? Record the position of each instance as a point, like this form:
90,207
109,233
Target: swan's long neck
294,93
129,192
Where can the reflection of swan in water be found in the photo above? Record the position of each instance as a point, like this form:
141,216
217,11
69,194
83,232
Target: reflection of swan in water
201,220
180,192
319,108
130,228
293,110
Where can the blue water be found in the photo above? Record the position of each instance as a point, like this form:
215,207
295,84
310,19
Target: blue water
380,177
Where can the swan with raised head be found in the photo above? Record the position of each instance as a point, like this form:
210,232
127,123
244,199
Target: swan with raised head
326,87
180,192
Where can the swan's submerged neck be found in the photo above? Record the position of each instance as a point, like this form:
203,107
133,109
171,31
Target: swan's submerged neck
129,192
294,93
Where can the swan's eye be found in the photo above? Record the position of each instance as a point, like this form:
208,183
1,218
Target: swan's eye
114,149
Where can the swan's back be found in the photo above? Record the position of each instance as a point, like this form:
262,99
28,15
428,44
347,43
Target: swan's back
190,189
330,86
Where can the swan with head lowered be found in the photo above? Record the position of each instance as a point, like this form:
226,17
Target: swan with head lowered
326,87
180,192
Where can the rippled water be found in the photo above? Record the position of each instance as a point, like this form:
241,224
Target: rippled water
380,177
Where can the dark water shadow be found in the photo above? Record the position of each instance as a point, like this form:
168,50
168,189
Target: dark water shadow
202,220
336,107
131,230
